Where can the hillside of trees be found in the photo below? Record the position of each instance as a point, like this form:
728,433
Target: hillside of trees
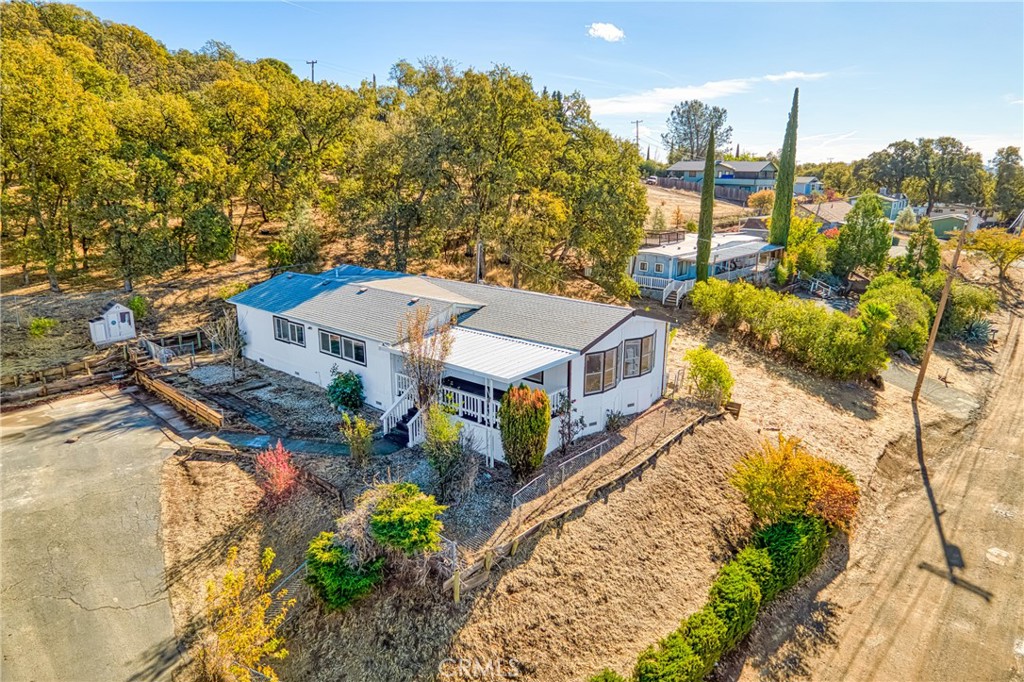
119,154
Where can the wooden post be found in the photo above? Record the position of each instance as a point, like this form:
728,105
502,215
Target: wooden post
942,306
42,378
515,547
488,559
455,585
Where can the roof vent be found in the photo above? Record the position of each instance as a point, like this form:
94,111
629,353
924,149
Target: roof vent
363,290
289,276
414,301
325,283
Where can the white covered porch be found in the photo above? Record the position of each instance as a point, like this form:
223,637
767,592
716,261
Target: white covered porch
479,369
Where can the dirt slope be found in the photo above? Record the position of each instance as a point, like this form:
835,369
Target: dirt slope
623,576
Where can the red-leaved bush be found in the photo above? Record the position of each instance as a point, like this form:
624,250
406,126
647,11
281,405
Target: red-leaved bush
276,474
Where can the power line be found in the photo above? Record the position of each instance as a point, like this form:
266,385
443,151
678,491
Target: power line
312,69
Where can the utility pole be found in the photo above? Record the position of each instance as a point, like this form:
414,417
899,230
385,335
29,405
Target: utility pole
312,70
637,124
942,306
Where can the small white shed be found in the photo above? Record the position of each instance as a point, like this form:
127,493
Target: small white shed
114,323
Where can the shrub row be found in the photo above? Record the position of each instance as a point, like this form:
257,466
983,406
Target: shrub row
912,311
827,342
779,556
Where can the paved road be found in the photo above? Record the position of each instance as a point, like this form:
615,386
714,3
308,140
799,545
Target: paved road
82,589
936,589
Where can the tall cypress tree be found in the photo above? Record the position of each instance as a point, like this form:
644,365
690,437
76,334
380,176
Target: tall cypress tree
707,206
784,183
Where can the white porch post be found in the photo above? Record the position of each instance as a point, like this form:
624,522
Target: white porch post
489,401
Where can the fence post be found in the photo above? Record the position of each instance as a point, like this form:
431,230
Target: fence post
515,547
456,578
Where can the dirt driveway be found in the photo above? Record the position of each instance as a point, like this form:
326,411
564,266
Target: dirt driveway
83,594
934,586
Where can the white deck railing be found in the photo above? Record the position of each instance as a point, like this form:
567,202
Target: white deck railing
730,275
470,406
557,396
417,429
648,282
674,285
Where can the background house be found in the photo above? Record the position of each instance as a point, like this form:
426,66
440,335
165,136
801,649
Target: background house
114,323
750,176
668,271
892,204
603,357
805,185
828,213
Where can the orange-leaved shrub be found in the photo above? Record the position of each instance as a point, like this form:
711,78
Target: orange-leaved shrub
783,480
276,474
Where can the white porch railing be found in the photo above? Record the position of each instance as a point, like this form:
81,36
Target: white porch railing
674,285
729,275
648,282
405,402
557,396
470,406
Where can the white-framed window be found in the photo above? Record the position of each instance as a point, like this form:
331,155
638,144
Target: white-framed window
289,332
637,356
643,266
600,371
537,378
659,267
343,347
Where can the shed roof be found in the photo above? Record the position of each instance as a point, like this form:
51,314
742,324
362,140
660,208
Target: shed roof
828,211
738,166
727,245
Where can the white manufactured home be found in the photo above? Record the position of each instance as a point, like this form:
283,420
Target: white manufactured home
603,357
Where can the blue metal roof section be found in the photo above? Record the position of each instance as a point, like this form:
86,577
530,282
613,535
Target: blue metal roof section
354,274
285,291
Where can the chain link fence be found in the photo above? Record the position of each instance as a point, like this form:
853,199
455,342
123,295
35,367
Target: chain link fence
557,476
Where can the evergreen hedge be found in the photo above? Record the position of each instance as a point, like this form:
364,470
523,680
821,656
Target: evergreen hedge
780,555
524,417
334,575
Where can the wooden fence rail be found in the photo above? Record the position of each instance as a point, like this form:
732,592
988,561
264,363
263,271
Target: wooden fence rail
86,366
479,572
162,389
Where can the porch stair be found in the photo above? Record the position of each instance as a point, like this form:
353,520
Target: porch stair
399,434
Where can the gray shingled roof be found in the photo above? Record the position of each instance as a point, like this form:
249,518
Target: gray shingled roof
373,313
738,166
324,301
542,318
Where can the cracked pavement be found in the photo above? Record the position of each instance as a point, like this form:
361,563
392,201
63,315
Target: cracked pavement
82,591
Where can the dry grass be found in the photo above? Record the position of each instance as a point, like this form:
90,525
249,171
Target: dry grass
689,202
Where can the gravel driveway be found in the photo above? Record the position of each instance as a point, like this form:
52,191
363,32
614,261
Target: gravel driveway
83,594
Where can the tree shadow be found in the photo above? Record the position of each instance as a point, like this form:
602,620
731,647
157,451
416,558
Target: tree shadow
792,629
158,662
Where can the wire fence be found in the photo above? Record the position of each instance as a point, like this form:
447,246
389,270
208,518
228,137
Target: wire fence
557,476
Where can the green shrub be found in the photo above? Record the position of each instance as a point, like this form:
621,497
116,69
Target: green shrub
333,577
406,519
524,417
709,375
229,290
912,310
735,598
345,390
607,675
673,659
358,433
758,563
139,307
279,254
707,635
967,304
827,342
795,547
41,326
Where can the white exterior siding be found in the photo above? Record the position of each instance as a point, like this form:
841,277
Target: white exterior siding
117,323
308,362
632,395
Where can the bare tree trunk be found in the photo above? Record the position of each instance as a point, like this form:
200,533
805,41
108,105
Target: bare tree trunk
128,285
51,274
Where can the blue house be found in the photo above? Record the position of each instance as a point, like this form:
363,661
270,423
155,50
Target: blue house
892,204
667,270
806,185
751,176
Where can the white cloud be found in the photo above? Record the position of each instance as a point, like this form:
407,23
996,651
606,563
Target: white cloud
609,32
794,76
661,100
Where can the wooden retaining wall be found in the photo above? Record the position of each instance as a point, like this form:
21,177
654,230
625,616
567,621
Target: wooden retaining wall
168,393
87,366
479,572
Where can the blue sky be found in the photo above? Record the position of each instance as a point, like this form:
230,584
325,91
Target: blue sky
868,74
